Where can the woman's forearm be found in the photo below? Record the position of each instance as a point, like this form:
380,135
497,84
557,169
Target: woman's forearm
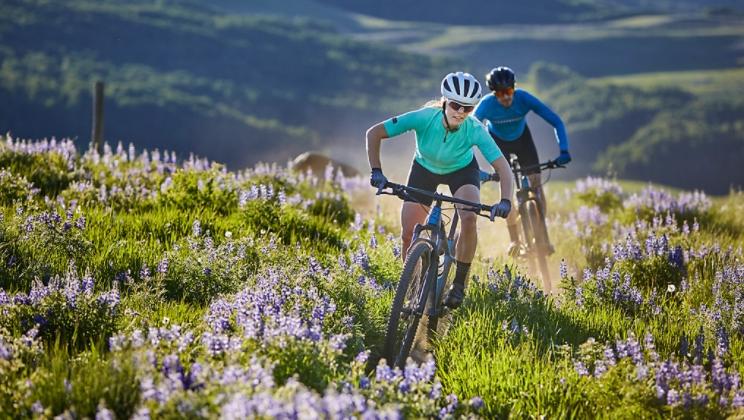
375,134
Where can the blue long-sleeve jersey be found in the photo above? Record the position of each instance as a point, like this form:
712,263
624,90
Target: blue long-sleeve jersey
508,123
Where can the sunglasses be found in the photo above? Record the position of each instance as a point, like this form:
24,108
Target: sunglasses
457,107
504,92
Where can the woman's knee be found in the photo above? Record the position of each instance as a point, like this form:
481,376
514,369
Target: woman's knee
468,220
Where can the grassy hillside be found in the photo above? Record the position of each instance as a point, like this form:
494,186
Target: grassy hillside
481,12
652,131
179,72
477,12
135,286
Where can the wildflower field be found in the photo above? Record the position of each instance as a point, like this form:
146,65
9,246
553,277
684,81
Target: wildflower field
135,284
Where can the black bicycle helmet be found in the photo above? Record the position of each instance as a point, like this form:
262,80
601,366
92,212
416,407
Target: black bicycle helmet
500,78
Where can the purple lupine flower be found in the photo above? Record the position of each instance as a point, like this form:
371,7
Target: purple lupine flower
579,296
383,373
676,258
452,404
87,285
722,341
338,341
373,242
476,403
104,413
719,377
672,397
37,408
362,357
738,401
609,356
436,391
648,342
361,258
641,371
163,266
6,350
581,369
699,343
599,368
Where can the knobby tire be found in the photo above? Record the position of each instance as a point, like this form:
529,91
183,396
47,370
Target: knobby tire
412,279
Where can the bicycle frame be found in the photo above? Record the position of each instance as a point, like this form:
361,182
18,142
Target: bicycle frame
438,240
421,293
525,190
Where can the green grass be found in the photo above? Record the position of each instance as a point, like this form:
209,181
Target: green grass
509,344
699,82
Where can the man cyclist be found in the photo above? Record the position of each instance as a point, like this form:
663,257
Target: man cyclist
445,135
504,111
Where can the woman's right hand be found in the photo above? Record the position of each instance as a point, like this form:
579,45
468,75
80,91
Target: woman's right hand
501,209
377,179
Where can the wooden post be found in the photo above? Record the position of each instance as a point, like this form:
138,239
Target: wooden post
97,134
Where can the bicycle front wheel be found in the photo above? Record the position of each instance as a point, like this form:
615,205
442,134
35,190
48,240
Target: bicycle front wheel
404,321
540,244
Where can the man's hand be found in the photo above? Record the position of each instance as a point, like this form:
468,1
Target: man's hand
564,158
377,179
501,209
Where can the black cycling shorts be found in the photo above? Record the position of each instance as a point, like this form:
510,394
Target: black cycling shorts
523,147
422,178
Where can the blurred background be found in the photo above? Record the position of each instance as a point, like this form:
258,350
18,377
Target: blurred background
649,90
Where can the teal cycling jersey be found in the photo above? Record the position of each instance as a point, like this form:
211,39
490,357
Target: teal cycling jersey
439,150
508,123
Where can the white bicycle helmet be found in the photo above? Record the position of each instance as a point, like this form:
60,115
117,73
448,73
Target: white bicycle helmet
462,88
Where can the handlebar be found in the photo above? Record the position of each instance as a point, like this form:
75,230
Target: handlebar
551,164
403,192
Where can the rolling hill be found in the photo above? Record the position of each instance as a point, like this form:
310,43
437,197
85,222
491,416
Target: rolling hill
255,87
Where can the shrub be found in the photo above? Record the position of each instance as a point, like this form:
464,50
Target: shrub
65,309
199,271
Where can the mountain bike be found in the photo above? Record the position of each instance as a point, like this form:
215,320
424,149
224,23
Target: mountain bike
425,276
536,243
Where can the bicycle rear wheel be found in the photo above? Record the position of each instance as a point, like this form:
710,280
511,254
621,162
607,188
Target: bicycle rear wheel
539,246
403,321
529,237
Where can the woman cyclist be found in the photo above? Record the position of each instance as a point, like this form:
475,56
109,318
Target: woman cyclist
445,136
504,112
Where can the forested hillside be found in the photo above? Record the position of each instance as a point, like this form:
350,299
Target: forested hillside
242,82
181,76
666,134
